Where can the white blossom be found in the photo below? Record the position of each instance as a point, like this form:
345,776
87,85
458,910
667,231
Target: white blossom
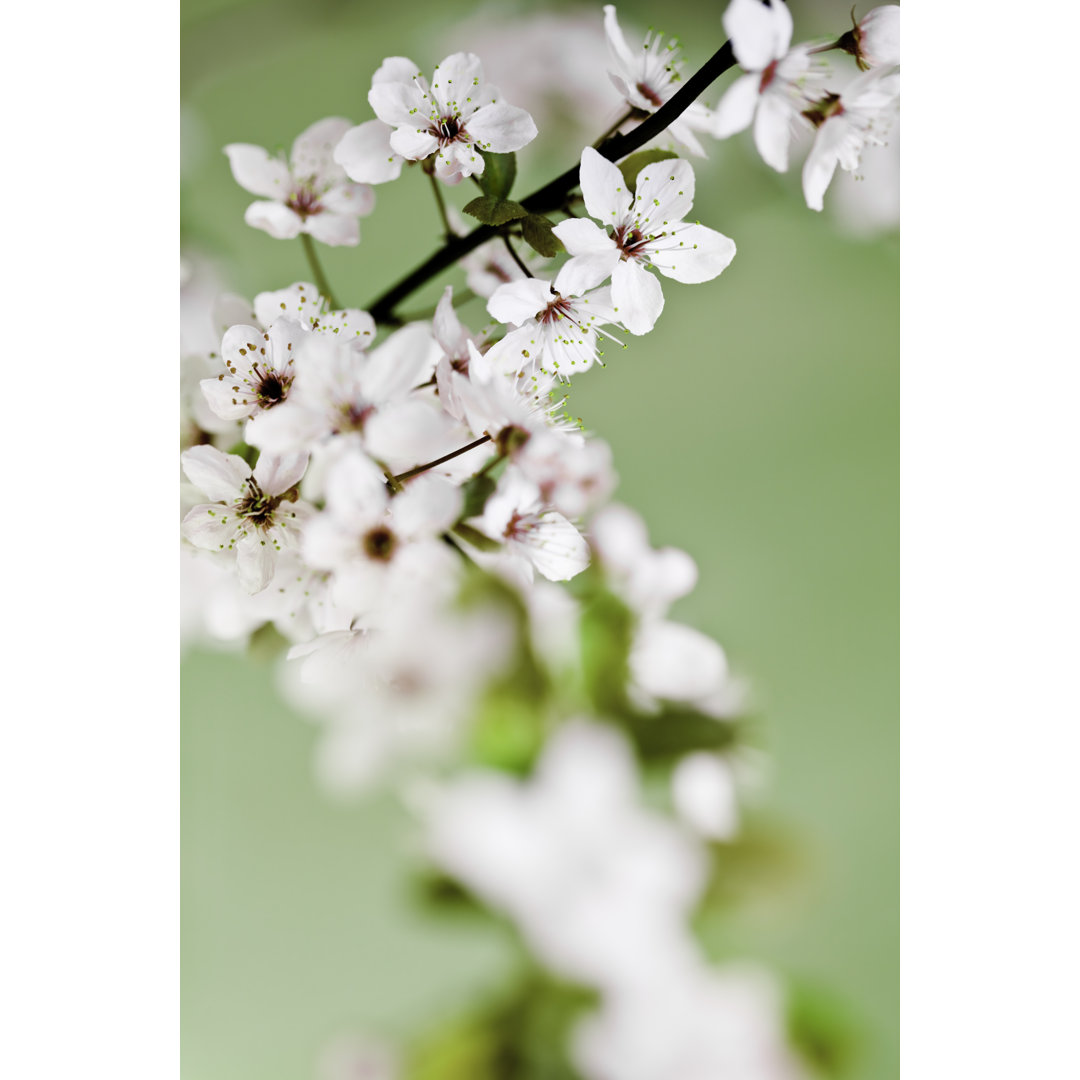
874,40
308,194
645,230
252,514
456,116
703,790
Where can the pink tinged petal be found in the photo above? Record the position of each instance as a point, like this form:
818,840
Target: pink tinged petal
399,103
456,79
693,254
395,69
220,476
255,170
404,360
255,559
772,131
880,42
224,401
581,236
313,151
519,301
209,526
584,272
665,195
275,474
556,548
335,230
604,189
760,33
355,199
501,128
636,296
413,143
275,218
736,109
429,505
616,41
366,155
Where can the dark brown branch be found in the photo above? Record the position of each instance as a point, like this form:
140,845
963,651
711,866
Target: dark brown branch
552,195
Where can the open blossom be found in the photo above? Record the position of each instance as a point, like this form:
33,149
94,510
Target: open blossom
252,514
649,76
771,95
861,114
308,194
558,322
455,116
645,230
302,303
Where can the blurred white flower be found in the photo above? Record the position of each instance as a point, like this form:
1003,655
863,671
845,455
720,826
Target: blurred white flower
309,193
703,790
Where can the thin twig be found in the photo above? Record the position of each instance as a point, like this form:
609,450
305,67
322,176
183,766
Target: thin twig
446,457
317,271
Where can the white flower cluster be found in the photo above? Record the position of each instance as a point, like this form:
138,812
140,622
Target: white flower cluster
402,499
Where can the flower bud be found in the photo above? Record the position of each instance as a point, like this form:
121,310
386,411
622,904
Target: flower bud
875,39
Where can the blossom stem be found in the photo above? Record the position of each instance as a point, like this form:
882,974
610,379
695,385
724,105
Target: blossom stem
447,231
317,271
515,256
552,194
446,457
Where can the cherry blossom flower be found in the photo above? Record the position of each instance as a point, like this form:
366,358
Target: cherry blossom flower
302,303
559,322
453,118
309,193
648,77
703,791
253,514
874,40
598,885
534,535
860,115
772,93
646,230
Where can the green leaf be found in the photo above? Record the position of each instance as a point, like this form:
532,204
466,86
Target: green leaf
823,1030
499,172
536,232
266,644
677,731
477,492
636,162
247,452
491,210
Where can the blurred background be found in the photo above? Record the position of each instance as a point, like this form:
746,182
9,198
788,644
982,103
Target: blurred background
757,428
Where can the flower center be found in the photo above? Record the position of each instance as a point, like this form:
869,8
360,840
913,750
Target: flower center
820,111
352,416
304,202
555,310
271,387
649,94
379,544
767,76
256,506
448,130
630,241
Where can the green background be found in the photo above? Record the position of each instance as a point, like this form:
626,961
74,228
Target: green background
756,427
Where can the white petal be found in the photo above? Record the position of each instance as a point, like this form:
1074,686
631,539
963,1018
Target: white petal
736,108
692,254
300,302
703,790
665,195
604,189
772,131
395,69
501,128
220,476
412,143
209,526
285,429
335,230
276,474
880,42
313,150
455,79
458,160
405,359
397,103
255,558
275,218
223,400
556,548
366,155
637,296
676,662
616,41
255,170
519,301
429,505
581,236
355,199
760,33
585,272
821,164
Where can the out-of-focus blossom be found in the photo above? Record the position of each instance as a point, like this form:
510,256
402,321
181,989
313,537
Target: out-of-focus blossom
874,40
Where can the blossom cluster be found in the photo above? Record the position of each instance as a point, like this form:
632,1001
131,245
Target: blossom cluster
408,504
